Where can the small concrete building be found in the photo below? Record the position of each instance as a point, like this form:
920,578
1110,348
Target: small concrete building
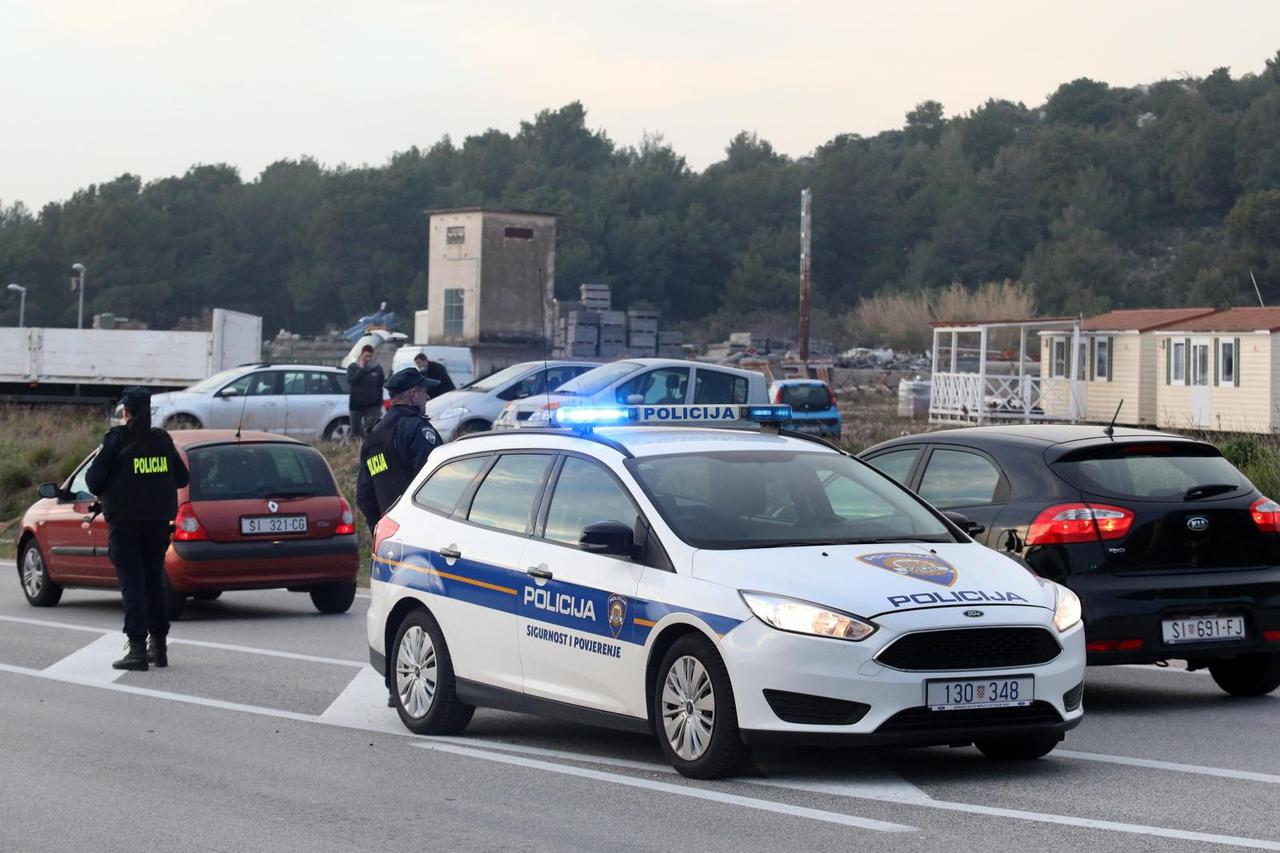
490,279
1219,372
1118,365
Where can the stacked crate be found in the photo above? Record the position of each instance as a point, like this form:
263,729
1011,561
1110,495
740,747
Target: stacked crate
613,334
596,297
642,333
671,344
581,333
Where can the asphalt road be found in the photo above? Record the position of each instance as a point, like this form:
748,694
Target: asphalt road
269,732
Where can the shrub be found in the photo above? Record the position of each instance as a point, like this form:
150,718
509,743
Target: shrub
901,320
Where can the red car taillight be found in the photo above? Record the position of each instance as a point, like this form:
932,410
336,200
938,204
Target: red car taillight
1063,524
347,524
777,396
386,527
186,526
1266,514
831,396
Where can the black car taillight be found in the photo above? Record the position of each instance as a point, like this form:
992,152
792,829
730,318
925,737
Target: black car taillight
1266,515
1063,524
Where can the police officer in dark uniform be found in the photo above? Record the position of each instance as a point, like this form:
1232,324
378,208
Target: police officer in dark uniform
394,451
136,477
397,446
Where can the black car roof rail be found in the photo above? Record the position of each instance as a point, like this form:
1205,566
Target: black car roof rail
589,436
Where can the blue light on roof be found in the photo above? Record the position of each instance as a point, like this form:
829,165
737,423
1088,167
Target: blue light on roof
588,416
768,414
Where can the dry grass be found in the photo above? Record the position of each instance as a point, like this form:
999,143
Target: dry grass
901,320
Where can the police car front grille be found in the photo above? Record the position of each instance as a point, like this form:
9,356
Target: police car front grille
915,720
971,648
810,710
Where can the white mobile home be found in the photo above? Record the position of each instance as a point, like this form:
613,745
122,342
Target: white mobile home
1219,372
1118,365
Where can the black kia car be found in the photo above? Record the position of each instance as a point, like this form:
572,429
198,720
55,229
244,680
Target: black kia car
1172,551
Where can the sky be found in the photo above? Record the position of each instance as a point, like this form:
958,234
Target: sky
91,89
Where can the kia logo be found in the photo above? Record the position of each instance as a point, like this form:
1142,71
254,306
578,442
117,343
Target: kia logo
973,614
273,506
1197,524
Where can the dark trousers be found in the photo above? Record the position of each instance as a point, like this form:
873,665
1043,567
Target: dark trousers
137,551
363,418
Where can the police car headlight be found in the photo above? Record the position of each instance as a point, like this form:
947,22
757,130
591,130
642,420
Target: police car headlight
1067,613
802,617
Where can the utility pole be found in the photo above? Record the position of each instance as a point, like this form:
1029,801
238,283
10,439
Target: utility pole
77,283
806,276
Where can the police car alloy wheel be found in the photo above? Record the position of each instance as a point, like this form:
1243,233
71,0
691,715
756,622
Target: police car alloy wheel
694,711
422,679
36,585
1247,675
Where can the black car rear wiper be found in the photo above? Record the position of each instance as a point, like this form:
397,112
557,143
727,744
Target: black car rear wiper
1195,493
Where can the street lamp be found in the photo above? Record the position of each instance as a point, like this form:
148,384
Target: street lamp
22,302
78,284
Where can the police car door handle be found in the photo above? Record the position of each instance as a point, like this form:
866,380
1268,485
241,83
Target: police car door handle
450,553
540,572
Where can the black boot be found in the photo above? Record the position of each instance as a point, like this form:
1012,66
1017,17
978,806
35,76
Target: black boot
135,658
158,651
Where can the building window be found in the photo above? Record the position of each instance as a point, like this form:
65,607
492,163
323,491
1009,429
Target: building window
1177,362
1200,363
1058,370
518,233
453,312
455,234
1227,362
1102,358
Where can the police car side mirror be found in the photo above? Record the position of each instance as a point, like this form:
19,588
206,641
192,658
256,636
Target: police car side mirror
962,521
48,490
608,537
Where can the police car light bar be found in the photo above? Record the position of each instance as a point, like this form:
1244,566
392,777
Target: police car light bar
589,416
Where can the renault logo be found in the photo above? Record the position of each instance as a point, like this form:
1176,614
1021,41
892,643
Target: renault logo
273,506
1197,524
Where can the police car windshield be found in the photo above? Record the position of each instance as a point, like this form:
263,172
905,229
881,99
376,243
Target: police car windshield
598,378
216,381
772,499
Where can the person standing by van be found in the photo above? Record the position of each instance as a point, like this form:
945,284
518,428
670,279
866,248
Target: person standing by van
364,378
136,476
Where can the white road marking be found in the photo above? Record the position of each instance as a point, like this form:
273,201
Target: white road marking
362,704
1222,772
93,662
667,788
872,783
1150,667
207,644
582,757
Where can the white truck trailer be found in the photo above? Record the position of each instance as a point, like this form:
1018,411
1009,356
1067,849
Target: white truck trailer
101,361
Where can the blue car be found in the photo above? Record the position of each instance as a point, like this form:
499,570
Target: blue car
813,406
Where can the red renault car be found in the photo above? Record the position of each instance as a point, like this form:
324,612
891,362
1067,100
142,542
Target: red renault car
262,511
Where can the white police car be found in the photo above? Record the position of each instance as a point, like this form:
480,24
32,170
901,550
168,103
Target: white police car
719,587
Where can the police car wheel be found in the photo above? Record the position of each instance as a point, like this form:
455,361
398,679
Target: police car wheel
333,597
424,688
1019,747
694,711
1247,675
39,589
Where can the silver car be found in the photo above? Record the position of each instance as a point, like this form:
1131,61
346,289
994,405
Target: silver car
306,401
474,407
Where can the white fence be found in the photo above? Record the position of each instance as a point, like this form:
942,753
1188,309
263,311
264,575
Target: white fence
973,398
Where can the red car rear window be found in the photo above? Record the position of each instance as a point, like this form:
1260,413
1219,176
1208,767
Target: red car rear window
239,471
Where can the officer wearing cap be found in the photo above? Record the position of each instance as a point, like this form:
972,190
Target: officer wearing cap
397,446
136,476
395,450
